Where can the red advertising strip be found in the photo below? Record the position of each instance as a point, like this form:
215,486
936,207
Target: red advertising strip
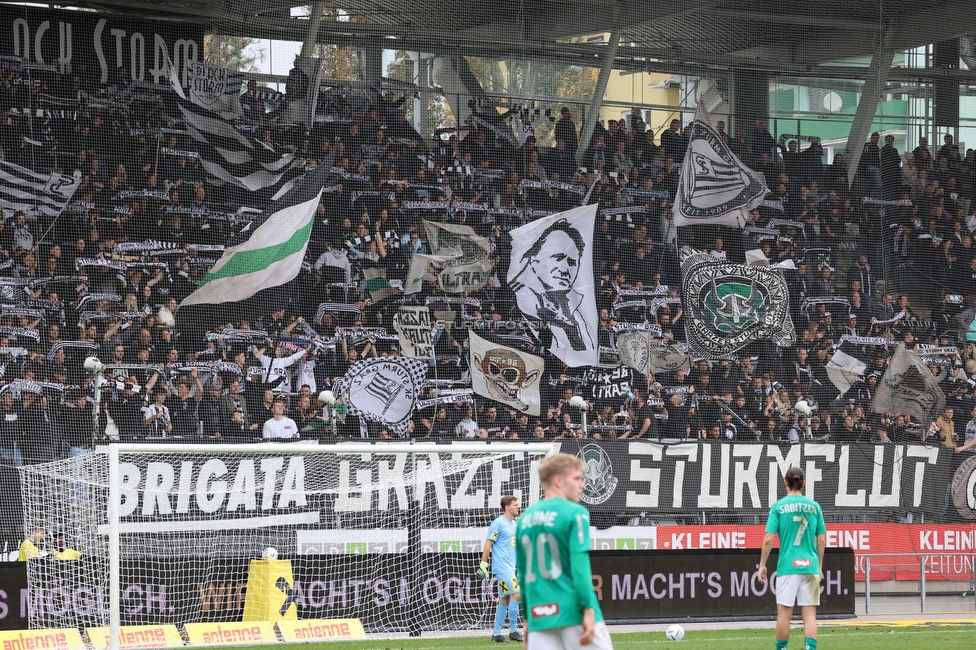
951,549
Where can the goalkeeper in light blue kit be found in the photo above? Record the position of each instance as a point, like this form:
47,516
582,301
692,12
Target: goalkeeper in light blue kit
500,544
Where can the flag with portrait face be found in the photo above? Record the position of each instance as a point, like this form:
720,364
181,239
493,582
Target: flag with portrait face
551,275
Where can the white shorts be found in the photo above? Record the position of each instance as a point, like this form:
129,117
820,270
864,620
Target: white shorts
797,589
567,638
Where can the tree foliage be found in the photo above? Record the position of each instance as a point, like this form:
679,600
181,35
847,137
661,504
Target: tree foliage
556,84
234,52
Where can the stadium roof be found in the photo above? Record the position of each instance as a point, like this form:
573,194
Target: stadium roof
669,36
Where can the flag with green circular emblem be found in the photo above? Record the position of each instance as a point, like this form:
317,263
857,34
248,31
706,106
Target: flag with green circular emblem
729,305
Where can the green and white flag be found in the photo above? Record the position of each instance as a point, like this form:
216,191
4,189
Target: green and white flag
377,284
271,257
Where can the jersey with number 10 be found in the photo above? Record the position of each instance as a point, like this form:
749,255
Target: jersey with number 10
552,554
797,520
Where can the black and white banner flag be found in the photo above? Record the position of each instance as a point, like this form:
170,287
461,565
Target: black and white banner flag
215,89
471,270
428,267
647,354
715,187
551,275
607,384
302,91
908,386
506,375
728,305
413,328
230,156
383,390
844,370
105,41
28,191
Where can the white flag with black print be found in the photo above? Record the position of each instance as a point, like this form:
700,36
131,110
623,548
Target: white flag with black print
647,354
714,186
506,375
428,267
551,275
908,386
215,89
384,389
471,270
844,370
413,328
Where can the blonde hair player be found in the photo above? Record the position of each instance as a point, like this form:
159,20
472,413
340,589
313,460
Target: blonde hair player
552,554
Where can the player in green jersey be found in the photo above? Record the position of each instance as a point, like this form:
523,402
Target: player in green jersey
552,554
799,523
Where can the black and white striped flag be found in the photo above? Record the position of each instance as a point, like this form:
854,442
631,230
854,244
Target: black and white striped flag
22,189
230,156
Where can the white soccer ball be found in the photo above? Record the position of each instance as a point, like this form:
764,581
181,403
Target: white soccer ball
271,553
675,633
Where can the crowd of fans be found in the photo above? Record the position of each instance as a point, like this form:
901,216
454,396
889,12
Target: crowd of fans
888,257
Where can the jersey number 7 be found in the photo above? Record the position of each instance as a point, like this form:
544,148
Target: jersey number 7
804,522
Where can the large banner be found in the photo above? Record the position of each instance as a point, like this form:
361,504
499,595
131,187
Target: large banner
105,42
383,590
948,548
671,585
223,491
226,491
746,478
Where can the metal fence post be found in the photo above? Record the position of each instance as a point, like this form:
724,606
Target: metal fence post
867,585
922,580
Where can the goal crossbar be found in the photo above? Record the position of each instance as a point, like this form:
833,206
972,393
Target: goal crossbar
114,493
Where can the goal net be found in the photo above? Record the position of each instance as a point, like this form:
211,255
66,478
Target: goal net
388,534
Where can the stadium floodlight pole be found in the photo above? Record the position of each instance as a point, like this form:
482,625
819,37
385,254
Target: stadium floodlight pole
314,22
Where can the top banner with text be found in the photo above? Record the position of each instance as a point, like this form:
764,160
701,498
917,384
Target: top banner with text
105,42
692,477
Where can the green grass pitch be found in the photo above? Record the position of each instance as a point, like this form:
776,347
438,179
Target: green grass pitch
830,638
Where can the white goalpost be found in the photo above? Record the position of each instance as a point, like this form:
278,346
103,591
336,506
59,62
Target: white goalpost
174,534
